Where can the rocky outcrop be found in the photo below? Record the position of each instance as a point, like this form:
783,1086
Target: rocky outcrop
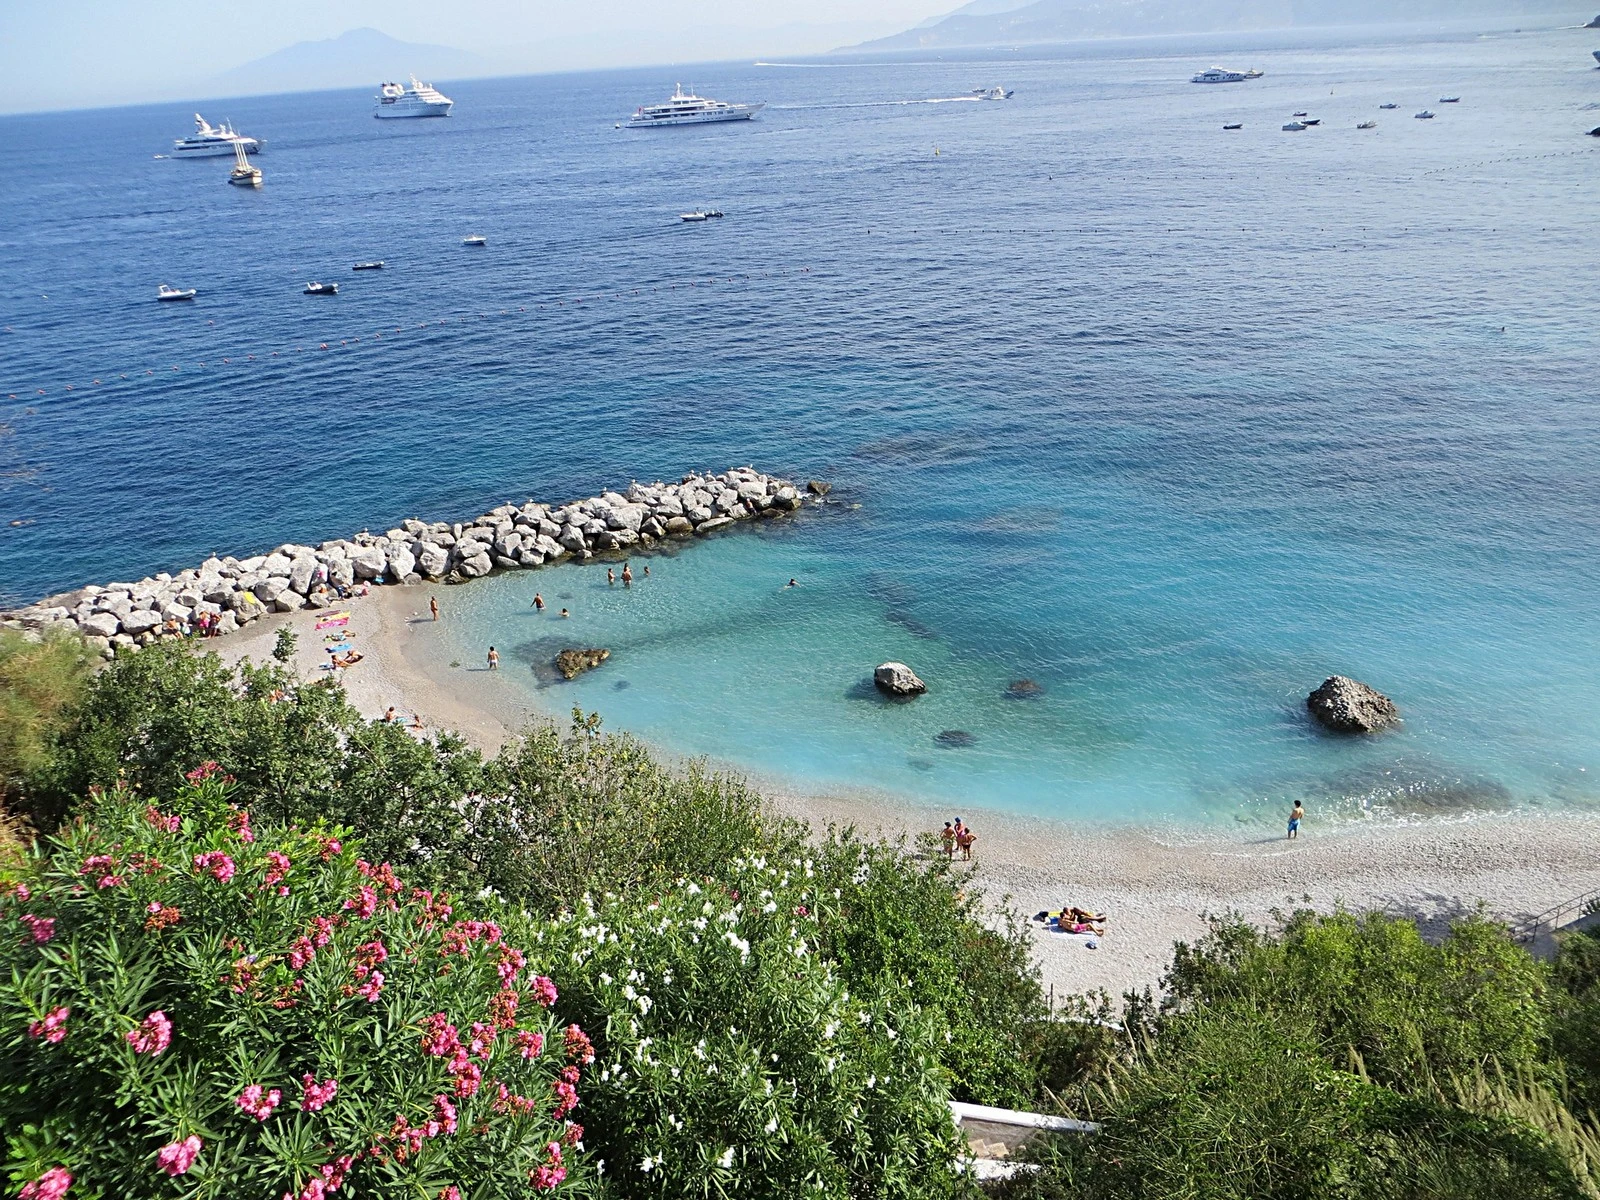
235,591
954,739
1350,706
897,679
572,663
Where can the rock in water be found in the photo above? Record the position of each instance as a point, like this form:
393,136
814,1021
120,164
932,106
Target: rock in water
818,487
898,680
954,739
572,663
1023,689
1349,706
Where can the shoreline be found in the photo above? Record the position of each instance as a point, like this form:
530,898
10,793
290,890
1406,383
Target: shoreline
1155,882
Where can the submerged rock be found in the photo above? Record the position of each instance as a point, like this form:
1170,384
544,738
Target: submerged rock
1023,689
954,739
898,680
1350,706
572,663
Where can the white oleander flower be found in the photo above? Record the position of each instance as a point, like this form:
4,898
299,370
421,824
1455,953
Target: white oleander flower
648,1164
725,1159
769,907
645,1004
828,1030
771,1126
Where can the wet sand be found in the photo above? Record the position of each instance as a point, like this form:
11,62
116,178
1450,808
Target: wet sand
1155,884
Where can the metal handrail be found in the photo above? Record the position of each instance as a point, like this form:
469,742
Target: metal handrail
1526,931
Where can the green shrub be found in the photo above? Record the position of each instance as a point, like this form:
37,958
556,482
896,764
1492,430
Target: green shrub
41,683
734,1060
261,1013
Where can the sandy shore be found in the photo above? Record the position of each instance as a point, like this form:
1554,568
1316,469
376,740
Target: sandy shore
1155,884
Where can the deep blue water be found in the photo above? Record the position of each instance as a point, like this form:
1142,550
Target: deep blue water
1172,422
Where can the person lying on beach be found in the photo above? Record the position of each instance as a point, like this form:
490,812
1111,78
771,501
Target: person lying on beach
1070,914
349,660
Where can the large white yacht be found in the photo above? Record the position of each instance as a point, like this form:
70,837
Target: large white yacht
685,108
418,100
209,139
1222,75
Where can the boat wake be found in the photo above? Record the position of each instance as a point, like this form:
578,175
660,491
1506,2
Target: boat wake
881,103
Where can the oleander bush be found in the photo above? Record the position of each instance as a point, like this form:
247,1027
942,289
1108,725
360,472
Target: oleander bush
192,1006
734,1059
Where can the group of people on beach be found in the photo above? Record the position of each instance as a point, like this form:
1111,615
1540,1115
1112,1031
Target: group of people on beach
957,835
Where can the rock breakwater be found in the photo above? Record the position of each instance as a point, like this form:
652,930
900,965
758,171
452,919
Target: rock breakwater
228,593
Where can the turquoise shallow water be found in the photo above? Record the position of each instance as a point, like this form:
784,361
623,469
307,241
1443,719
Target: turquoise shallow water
1171,422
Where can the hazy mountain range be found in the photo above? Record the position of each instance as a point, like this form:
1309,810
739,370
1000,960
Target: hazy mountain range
359,57
1018,22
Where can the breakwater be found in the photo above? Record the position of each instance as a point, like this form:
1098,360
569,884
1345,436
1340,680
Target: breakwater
222,595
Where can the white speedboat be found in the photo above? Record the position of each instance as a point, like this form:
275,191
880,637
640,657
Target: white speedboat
168,292
1223,75
209,139
694,216
244,173
994,93
418,100
369,266
1367,125
322,289
1233,125
685,108
474,239
1424,115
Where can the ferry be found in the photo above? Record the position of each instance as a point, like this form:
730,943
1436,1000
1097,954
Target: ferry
685,108
418,100
1222,75
209,139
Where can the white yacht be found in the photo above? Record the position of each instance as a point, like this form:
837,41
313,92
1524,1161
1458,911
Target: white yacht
418,100
685,108
1222,75
209,139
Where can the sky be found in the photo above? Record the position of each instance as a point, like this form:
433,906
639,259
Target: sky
84,53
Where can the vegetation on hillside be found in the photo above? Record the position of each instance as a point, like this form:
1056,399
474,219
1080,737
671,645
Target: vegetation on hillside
772,1011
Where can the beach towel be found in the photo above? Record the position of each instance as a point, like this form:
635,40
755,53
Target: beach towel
333,624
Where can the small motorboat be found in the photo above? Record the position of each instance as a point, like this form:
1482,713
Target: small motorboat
1310,121
368,266
1293,127
1367,125
1298,114
168,292
994,93
1388,107
1595,132
1424,115
322,289
1235,125
474,239
1449,99
693,216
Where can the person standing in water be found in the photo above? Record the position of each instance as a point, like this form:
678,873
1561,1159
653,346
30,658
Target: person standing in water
494,659
538,601
1296,815
611,576
627,575
433,606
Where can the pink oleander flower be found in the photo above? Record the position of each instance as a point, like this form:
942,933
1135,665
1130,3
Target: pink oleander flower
240,824
215,861
153,1035
579,1047
365,903
439,1038
452,1192
468,1081
572,1134
258,1104
110,881
53,1028
322,930
335,1171
544,990
511,961
161,821
566,1099
530,1043
481,1044
315,1189
314,1095
330,848
42,928
277,867
52,1185
367,956
370,989
301,952
444,1112
549,1176
503,1008
22,892
206,770
175,1158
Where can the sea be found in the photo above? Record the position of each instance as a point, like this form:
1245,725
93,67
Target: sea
1169,421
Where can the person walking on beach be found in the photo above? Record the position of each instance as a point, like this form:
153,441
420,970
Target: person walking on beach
538,601
494,659
433,606
627,575
1295,817
947,835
